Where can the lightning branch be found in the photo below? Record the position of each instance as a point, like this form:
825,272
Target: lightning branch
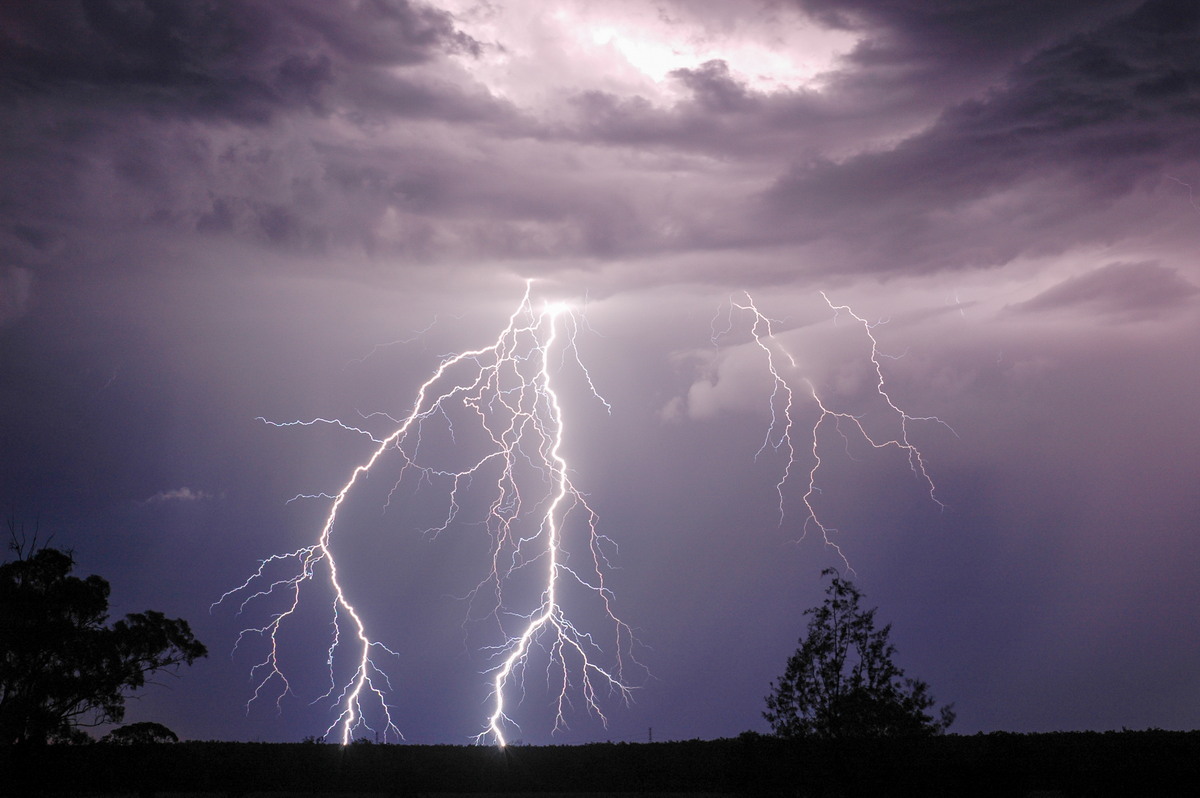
782,427
538,522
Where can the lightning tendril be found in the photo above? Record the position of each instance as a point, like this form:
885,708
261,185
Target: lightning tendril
782,404
506,390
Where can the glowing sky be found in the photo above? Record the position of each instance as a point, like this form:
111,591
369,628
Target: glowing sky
216,212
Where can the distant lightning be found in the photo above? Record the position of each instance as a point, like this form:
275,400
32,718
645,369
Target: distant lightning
1191,193
506,389
780,429
418,335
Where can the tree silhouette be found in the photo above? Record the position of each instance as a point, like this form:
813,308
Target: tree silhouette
61,667
842,682
144,733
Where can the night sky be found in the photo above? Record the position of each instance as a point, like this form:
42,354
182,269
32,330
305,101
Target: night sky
213,213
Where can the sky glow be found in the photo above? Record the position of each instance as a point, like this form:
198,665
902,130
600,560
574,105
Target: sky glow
637,46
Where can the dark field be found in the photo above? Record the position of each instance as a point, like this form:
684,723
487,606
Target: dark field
1148,763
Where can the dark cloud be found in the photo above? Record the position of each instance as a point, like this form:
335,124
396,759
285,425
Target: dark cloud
173,57
715,91
913,60
179,117
383,32
1137,290
1097,115
215,119
932,52
722,116
1061,122
914,46
244,61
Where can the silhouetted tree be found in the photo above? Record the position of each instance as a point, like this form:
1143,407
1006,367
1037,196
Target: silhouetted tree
842,682
142,733
61,666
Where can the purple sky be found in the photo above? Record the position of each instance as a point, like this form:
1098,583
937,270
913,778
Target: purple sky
212,212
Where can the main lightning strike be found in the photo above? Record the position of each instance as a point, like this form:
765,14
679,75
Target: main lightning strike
565,640
782,403
508,391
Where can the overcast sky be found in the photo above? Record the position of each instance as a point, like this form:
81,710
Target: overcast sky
213,213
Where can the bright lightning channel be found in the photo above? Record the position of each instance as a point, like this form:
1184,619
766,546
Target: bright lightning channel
782,404
508,390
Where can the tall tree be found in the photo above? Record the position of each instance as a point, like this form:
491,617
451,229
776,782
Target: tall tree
842,682
61,666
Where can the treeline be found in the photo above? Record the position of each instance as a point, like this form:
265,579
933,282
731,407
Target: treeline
1158,763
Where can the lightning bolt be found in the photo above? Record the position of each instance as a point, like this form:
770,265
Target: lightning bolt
782,402
506,390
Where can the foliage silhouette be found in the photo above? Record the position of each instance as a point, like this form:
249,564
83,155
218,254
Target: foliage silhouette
842,682
61,667
144,733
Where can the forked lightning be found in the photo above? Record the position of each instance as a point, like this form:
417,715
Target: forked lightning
782,405
507,389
